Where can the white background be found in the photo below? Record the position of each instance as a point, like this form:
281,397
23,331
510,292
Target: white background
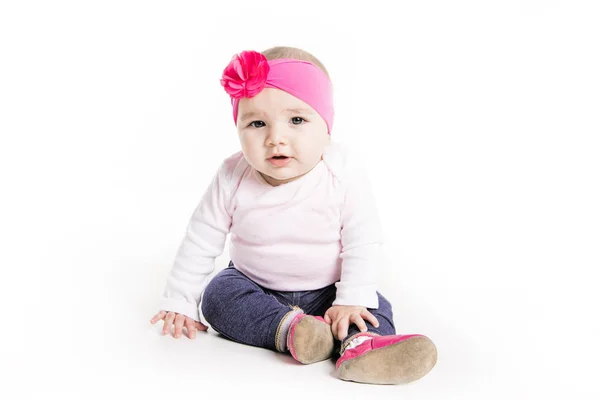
481,123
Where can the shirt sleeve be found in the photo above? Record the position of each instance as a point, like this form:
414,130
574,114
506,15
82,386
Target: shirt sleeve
362,240
204,241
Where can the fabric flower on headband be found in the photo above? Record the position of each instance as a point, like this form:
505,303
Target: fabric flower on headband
246,74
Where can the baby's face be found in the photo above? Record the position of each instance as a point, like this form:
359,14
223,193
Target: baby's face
276,123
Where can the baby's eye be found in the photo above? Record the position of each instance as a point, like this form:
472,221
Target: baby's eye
297,120
257,124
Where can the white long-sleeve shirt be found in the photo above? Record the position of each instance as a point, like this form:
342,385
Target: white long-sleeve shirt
302,235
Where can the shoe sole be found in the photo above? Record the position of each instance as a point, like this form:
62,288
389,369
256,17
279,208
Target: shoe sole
401,362
313,341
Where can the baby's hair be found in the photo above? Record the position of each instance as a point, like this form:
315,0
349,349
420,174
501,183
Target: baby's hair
278,52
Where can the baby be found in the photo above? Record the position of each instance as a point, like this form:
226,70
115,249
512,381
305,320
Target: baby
305,234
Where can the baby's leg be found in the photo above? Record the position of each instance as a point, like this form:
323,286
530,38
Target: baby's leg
240,310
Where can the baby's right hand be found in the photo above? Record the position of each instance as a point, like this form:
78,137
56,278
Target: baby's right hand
180,321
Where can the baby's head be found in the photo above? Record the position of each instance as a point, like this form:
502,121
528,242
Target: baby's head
282,105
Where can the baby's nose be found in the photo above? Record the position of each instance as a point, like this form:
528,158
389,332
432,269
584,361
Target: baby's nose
277,134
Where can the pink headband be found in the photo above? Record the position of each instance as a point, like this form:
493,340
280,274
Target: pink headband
249,72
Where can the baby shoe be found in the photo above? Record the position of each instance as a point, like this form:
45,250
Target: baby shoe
309,339
389,359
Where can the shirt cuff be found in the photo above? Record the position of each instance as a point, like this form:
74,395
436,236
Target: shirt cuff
352,295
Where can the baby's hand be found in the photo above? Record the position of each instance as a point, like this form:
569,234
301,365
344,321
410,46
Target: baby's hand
340,318
180,321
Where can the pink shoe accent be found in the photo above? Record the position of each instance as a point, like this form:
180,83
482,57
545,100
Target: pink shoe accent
292,331
376,342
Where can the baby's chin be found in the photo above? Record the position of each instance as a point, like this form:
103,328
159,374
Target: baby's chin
283,178
278,177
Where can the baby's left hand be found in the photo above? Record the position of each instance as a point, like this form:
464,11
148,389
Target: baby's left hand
340,317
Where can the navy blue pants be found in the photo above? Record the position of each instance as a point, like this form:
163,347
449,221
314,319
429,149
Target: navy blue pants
242,311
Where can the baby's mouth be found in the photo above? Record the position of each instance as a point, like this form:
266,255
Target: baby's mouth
279,160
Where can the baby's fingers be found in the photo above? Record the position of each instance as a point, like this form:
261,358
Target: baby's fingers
168,321
160,315
370,317
191,328
179,319
360,323
200,326
342,328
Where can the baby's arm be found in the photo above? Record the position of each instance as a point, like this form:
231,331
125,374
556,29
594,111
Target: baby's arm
361,237
195,259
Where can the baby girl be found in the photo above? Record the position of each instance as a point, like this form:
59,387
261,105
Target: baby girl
305,234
